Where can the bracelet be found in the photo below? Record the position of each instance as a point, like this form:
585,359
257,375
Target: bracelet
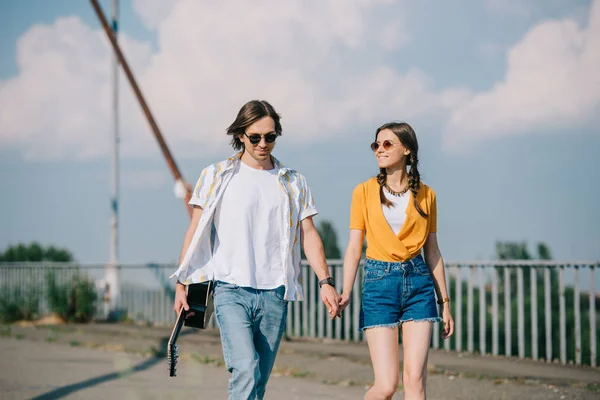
444,300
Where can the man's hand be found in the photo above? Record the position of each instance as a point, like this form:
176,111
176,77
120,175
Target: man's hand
180,298
331,299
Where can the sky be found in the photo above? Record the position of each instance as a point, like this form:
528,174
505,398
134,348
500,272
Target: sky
504,96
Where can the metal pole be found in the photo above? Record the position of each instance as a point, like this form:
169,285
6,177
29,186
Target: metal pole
112,272
145,108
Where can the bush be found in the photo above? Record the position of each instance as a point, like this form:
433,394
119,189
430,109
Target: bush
19,303
74,301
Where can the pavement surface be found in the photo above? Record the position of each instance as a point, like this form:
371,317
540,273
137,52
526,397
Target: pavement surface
113,361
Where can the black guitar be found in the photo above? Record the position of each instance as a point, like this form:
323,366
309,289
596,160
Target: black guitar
200,299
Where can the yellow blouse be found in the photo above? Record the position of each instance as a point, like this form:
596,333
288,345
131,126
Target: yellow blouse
383,244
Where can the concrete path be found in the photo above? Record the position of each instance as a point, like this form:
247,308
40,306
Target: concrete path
126,362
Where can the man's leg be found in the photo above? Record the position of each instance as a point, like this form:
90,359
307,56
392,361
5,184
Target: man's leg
233,309
269,328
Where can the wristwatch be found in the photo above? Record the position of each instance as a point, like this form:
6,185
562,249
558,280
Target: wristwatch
327,281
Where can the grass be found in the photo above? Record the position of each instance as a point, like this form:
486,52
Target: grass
299,374
52,336
206,360
5,330
593,387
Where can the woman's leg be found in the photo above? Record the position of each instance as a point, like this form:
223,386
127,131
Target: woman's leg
383,347
416,337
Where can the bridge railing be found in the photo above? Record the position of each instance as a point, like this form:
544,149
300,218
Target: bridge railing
543,310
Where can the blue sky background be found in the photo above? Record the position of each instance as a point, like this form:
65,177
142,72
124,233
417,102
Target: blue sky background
504,168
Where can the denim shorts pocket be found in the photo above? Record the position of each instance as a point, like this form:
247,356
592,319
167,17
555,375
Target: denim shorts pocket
421,268
374,274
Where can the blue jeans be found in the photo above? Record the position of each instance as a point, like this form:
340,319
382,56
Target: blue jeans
251,323
397,292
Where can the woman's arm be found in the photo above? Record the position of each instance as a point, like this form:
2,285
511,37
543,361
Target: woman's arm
435,262
351,261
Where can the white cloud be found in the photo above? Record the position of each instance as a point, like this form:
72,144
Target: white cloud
551,83
319,63
310,59
58,106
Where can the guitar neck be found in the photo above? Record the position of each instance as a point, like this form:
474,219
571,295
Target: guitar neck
177,327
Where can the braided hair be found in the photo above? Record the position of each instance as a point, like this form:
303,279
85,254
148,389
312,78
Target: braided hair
408,138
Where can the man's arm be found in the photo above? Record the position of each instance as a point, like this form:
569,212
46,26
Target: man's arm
315,254
180,297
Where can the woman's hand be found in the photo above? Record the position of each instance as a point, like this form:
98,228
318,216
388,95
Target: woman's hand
344,301
448,322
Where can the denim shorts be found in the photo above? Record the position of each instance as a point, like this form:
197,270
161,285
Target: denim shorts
397,292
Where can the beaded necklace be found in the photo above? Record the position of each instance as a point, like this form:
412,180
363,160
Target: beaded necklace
397,194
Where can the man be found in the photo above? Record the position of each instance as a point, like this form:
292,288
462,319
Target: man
250,216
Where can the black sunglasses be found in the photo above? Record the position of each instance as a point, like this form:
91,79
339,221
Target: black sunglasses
386,145
255,138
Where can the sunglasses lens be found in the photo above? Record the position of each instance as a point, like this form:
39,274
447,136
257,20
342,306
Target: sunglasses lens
374,146
254,139
387,145
270,138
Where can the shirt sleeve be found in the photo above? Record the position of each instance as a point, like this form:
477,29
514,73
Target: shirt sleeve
357,208
433,215
307,202
201,190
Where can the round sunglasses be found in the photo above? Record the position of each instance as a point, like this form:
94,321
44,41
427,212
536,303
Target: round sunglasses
255,138
387,144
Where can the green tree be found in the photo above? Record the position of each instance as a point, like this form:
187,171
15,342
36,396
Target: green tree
512,251
328,236
330,241
34,252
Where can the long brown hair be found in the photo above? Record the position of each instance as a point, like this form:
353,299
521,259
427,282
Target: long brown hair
407,136
251,112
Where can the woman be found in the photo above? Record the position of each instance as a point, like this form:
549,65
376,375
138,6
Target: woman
398,215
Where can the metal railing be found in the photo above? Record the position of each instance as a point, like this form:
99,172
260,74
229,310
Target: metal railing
539,309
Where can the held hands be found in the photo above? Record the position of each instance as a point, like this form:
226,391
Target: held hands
331,299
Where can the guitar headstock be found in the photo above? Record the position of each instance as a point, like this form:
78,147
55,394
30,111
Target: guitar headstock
172,356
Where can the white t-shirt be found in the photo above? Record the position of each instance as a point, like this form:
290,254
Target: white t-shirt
247,250
396,215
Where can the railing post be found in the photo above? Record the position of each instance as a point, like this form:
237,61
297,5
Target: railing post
592,297
482,310
470,309
458,325
507,316
548,314
495,311
534,314
576,305
562,315
520,312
